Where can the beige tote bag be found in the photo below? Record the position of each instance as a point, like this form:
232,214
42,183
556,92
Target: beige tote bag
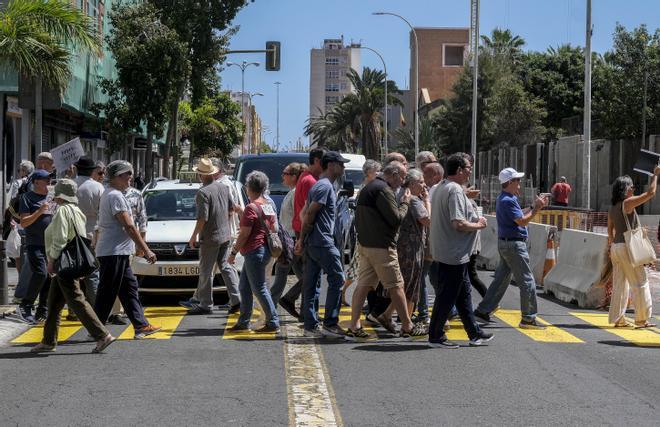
640,248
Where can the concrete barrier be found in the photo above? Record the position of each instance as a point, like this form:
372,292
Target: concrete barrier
581,263
537,242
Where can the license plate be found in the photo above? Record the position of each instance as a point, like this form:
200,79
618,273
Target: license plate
178,271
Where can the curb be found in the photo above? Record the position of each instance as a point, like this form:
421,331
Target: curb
10,327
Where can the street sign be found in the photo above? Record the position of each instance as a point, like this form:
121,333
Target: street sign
140,144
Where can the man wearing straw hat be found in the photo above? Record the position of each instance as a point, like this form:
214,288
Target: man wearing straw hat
212,232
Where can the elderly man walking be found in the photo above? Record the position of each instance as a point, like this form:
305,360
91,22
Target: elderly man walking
317,235
512,245
215,207
378,218
454,226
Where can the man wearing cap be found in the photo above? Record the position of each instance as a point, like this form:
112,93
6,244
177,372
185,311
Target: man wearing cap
560,192
317,236
117,238
36,211
214,209
89,198
512,246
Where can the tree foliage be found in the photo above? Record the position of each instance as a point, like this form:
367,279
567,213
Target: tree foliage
36,35
214,127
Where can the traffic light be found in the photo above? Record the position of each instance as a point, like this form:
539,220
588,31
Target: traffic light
272,56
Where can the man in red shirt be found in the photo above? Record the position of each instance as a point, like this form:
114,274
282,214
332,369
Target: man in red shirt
305,183
560,192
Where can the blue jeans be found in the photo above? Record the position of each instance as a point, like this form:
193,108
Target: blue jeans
434,279
327,259
253,282
455,290
39,280
514,262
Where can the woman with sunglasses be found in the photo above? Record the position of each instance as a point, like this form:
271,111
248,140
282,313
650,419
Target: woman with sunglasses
290,176
117,237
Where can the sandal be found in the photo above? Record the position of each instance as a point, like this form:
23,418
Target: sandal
389,326
625,323
645,324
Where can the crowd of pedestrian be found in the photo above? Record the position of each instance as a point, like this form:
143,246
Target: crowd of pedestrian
416,226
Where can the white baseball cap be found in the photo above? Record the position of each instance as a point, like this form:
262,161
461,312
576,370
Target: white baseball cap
508,174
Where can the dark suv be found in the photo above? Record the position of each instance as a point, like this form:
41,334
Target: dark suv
272,164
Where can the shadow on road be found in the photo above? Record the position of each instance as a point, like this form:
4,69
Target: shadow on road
627,344
394,347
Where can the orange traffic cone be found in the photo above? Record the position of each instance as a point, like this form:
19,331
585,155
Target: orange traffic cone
550,259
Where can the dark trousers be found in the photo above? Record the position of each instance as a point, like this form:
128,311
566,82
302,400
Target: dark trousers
39,280
454,286
298,266
69,292
117,280
478,285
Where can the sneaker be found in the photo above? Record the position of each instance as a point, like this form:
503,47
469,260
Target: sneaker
358,335
24,313
267,329
371,318
482,339
189,303
445,343
146,331
531,324
313,333
418,331
335,331
40,315
290,307
199,310
102,344
483,318
424,320
234,309
42,348
240,327
116,319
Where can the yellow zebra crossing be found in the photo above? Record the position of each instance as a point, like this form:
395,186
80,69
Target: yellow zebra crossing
641,337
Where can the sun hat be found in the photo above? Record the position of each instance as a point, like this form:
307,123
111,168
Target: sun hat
39,174
205,167
65,189
118,167
508,174
85,163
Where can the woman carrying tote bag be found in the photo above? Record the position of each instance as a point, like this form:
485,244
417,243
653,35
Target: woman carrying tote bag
625,273
67,221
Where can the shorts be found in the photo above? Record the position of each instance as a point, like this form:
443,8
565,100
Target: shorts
379,265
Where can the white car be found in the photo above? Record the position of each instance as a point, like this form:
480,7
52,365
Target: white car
171,212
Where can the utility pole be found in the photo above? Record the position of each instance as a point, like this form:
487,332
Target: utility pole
474,33
586,167
277,135
243,66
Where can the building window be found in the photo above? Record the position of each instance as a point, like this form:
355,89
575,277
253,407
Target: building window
332,74
330,100
332,60
454,55
343,86
332,87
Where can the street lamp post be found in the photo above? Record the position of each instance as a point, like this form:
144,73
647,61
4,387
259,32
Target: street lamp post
243,66
416,110
277,137
251,124
385,104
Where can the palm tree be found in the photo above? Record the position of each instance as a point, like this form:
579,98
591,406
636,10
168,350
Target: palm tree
406,138
37,38
504,44
367,102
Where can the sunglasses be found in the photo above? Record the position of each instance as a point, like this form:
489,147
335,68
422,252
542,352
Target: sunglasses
288,173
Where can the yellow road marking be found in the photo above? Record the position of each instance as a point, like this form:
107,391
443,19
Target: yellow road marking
456,331
311,398
550,334
36,333
642,337
245,335
345,320
168,318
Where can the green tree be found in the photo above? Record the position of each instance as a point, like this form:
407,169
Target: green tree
406,138
151,63
36,35
503,45
214,127
117,117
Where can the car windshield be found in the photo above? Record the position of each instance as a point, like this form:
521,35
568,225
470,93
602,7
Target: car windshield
272,167
164,205
356,176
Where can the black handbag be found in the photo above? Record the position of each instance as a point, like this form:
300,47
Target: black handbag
77,258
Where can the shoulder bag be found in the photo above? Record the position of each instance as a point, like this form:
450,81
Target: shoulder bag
640,248
77,258
272,238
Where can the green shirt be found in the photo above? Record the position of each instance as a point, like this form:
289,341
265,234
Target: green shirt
61,229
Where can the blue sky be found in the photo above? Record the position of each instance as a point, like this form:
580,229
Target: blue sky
303,24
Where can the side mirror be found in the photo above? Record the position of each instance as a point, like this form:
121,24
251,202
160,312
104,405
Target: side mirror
348,190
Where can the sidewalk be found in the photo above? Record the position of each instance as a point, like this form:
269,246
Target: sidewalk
9,327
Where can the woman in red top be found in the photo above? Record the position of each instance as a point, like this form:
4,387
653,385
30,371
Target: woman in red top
252,244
